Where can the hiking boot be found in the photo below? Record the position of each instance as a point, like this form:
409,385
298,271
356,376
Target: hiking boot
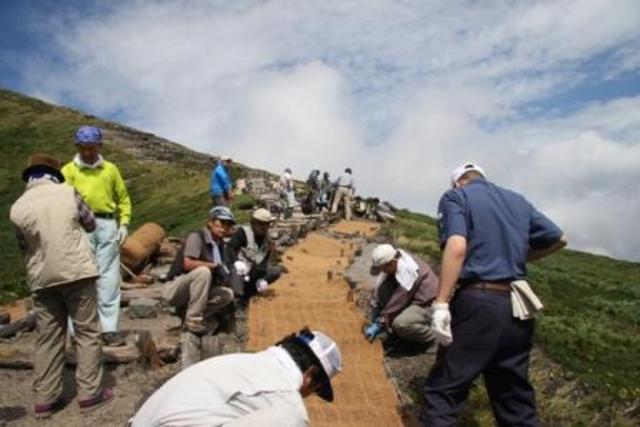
113,339
43,411
99,400
195,325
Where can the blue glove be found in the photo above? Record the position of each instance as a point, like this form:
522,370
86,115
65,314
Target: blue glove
372,331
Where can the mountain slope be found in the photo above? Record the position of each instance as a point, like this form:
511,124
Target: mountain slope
168,183
586,368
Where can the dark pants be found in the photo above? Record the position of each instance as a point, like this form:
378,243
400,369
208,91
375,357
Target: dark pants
487,340
219,200
247,289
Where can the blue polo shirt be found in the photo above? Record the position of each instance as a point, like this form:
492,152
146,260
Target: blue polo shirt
500,226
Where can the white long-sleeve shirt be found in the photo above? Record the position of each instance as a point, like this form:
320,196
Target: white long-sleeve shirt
235,390
345,180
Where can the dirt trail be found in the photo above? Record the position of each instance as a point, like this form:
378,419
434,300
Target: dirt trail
307,296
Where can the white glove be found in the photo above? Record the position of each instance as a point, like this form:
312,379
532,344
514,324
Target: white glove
441,323
242,269
123,232
261,285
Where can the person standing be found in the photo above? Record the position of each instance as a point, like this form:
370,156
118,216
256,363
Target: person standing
488,234
51,220
345,188
221,186
248,389
313,190
326,190
287,192
99,182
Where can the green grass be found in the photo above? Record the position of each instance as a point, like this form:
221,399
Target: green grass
589,332
174,194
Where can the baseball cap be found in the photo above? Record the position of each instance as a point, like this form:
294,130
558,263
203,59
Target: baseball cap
464,168
222,213
88,135
262,215
381,255
326,352
225,158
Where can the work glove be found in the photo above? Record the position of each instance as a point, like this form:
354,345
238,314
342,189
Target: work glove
242,269
123,232
372,331
441,323
261,285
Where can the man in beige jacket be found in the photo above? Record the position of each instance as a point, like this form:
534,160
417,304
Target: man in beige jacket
50,220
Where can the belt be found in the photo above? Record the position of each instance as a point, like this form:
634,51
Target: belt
105,215
498,288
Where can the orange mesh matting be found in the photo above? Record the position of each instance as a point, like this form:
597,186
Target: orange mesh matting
315,294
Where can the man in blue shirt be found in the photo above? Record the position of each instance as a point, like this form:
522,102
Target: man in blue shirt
221,185
488,234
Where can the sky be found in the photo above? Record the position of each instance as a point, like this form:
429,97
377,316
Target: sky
544,95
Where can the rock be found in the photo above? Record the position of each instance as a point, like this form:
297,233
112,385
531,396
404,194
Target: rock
143,308
191,348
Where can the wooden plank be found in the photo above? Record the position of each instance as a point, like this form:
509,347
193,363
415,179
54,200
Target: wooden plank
154,292
117,355
18,309
26,323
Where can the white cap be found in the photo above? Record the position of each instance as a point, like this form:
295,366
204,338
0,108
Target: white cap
382,254
262,215
225,158
328,354
464,168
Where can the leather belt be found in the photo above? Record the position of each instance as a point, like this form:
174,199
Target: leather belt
498,288
105,215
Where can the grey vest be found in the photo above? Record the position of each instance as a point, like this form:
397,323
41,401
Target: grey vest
252,253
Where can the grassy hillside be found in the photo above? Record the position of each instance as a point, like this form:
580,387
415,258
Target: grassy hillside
586,367
587,371
168,183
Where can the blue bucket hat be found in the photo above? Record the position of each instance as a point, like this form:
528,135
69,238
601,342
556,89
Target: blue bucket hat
88,135
222,213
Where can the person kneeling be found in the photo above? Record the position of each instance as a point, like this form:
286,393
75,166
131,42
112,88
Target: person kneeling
405,288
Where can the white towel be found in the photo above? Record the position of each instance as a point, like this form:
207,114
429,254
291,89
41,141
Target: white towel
524,301
407,271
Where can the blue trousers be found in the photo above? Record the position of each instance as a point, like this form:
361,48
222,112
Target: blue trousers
487,340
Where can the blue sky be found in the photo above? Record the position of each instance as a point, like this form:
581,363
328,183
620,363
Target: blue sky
545,95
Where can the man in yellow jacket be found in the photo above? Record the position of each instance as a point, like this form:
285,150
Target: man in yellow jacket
100,184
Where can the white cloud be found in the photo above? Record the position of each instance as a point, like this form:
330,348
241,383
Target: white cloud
400,91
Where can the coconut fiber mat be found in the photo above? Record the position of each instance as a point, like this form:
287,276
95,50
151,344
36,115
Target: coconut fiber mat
314,293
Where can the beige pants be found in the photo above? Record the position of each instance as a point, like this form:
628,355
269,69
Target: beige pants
342,193
53,306
414,324
195,291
